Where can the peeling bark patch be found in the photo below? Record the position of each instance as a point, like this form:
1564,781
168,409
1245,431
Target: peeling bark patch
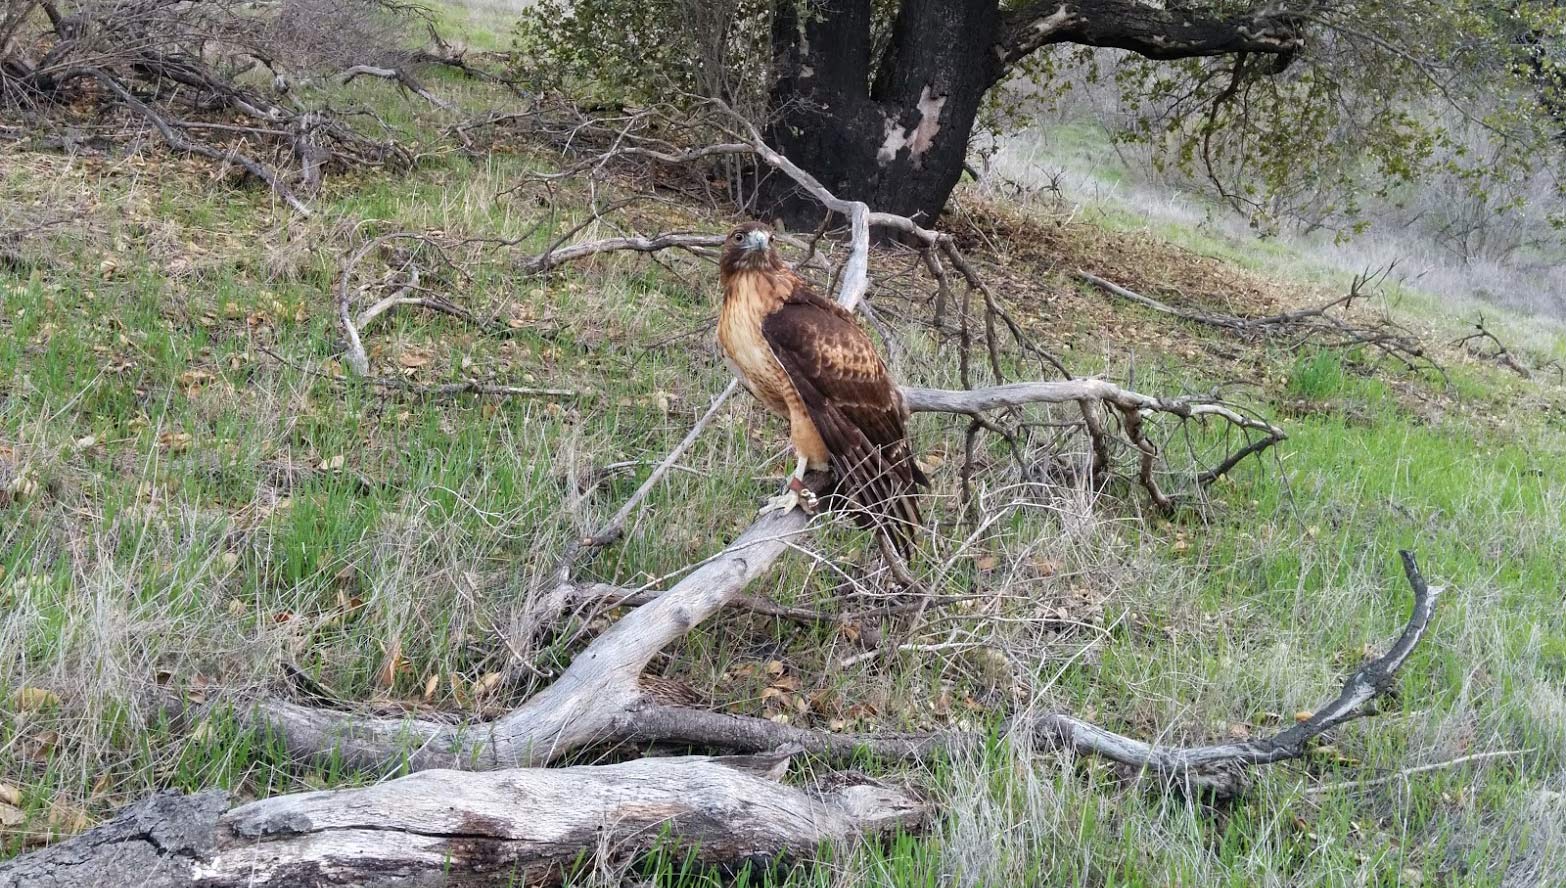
1051,23
918,138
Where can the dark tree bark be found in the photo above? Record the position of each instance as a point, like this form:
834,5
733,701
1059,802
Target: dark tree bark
893,131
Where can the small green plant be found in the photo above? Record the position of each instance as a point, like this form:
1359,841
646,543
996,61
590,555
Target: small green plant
1318,375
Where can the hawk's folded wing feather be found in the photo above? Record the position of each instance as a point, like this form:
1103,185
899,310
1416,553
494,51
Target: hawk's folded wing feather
856,407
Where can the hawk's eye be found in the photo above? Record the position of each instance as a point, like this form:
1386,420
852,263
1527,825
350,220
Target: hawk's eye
738,237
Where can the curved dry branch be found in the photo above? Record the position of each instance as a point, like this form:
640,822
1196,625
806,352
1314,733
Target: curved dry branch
400,77
1501,355
1218,769
558,256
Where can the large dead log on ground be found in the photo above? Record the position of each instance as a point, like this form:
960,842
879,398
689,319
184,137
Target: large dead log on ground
525,826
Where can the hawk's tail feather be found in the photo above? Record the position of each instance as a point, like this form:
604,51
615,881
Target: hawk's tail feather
881,490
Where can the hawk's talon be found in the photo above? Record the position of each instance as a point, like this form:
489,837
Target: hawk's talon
796,494
806,496
808,501
783,502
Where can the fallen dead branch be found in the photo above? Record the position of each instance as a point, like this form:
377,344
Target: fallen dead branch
18,237
473,387
1318,324
449,389
398,76
561,255
357,359
526,826
1474,343
405,283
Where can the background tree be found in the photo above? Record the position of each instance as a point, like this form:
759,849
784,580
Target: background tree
880,99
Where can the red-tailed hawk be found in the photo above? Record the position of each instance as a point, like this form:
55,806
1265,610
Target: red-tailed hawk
807,360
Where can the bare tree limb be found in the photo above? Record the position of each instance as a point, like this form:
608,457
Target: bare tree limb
1157,32
1501,355
973,401
472,387
615,527
180,143
557,256
401,78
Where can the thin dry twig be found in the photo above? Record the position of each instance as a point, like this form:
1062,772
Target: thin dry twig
1405,773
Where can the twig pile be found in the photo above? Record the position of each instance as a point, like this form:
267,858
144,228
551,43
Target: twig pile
175,70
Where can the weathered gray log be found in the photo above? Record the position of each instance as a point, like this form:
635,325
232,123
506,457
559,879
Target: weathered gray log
521,826
154,843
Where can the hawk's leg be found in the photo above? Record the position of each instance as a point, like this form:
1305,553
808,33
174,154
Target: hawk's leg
796,494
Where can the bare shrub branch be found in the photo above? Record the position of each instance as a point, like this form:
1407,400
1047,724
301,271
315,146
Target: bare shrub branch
1500,354
175,67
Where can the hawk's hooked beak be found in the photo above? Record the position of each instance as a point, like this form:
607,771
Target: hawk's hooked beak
755,240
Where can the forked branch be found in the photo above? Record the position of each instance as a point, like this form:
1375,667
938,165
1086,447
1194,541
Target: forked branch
1499,353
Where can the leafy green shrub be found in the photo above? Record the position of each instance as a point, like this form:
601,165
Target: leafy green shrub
638,53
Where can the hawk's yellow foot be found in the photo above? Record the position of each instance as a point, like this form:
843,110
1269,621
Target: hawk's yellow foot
797,494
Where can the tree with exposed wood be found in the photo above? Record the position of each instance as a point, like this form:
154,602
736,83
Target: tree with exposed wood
890,125
882,101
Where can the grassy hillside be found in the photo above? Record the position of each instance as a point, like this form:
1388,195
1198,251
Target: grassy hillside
196,494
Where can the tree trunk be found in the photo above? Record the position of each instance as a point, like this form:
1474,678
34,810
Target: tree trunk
895,137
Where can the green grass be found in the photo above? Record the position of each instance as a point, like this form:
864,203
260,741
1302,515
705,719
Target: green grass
208,533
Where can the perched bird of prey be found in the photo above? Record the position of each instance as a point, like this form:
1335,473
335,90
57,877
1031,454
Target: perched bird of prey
806,359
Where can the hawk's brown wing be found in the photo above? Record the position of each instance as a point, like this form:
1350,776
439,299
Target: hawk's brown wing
855,406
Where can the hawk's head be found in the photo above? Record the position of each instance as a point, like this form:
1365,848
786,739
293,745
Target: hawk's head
749,248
